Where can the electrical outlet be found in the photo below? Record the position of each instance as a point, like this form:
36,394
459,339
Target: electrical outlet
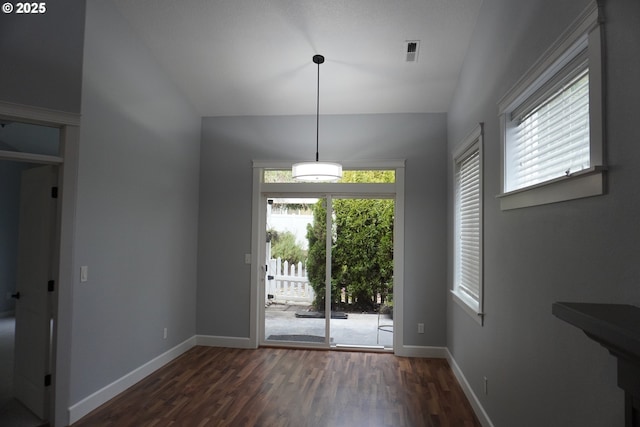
84,273
486,385
421,328
165,333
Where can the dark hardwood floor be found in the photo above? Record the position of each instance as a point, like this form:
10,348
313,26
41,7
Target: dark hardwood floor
210,386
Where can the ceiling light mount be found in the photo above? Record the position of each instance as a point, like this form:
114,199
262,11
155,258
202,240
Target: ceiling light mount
317,171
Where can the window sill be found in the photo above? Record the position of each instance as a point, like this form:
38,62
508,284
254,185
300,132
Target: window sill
468,305
586,183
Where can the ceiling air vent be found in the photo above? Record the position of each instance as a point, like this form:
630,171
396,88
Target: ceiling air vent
411,50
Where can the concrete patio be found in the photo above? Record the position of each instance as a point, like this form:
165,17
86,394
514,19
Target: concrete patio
359,329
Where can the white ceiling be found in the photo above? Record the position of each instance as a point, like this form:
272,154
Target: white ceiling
254,57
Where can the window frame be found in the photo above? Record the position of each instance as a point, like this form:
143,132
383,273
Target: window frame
261,189
584,34
472,143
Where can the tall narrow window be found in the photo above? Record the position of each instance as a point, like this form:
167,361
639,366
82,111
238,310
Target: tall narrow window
467,286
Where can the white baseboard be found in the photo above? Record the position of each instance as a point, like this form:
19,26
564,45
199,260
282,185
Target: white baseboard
468,391
421,351
229,342
89,403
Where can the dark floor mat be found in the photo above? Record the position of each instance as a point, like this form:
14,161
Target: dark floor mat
301,338
320,314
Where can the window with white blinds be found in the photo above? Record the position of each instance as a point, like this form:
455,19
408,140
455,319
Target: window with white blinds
467,287
552,121
552,139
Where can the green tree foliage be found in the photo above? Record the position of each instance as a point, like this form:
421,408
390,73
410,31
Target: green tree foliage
284,246
317,253
362,247
370,176
363,252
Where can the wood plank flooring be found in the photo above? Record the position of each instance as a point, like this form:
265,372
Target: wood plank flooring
210,386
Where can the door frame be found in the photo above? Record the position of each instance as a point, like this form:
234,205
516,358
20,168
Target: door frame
62,303
258,232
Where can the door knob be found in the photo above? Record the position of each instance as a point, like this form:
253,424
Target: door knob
16,295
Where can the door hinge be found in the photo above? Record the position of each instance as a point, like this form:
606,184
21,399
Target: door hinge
54,192
51,285
47,380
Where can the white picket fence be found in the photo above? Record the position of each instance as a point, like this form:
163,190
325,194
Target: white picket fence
287,283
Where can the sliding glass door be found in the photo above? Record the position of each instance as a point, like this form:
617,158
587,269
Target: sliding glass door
329,271
362,272
294,296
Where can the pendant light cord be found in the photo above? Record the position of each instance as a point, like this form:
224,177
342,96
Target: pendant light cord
318,116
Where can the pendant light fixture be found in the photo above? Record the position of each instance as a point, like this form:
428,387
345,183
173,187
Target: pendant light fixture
317,171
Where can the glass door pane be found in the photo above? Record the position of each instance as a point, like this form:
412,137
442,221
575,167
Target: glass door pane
294,283
362,272
354,237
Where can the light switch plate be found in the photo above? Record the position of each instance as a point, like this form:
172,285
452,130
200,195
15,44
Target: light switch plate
247,258
84,273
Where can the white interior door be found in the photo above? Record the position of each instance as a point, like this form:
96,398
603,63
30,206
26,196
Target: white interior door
33,313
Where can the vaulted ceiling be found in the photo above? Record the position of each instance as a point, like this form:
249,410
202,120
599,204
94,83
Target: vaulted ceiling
254,57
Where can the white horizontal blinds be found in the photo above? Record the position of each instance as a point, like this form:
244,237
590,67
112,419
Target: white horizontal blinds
552,140
551,87
468,224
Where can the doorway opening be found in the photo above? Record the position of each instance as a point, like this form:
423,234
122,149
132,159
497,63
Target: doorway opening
28,269
357,236
330,267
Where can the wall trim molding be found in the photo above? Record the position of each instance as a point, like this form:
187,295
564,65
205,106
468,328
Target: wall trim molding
31,158
39,115
91,402
230,342
478,409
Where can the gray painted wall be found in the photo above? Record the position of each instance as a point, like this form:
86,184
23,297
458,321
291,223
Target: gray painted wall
137,208
542,371
42,56
229,144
